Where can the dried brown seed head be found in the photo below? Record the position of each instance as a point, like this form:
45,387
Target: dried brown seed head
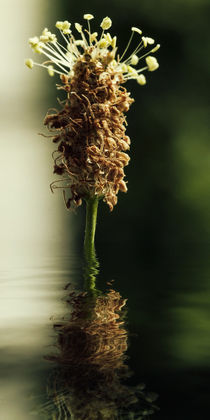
90,127
90,132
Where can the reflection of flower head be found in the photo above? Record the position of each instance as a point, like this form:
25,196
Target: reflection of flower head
94,338
89,381
90,129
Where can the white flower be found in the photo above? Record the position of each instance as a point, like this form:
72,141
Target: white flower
33,41
61,58
134,60
88,16
64,26
156,48
93,37
141,79
134,29
103,43
78,27
106,23
152,63
108,38
51,71
146,40
29,63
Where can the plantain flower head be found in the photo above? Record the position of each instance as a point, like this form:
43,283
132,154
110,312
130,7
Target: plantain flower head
90,128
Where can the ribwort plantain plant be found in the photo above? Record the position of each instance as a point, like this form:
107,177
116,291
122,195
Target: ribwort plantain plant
89,129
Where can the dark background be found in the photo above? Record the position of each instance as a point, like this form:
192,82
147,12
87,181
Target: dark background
155,244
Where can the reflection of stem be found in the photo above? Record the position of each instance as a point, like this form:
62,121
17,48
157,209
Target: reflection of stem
91,269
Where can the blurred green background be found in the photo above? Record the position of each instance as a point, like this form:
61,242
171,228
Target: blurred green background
155,244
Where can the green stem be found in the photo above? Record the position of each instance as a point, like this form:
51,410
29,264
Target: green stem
90,227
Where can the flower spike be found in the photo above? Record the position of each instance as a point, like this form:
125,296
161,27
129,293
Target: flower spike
90,128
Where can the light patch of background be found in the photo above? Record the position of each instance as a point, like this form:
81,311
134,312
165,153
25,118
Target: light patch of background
32,220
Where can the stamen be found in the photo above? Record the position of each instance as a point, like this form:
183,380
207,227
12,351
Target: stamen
79,29
134,29
29,63
146,40
64,57
128,45
142,69
73,45
64,26
136,51
93,37
54,60
152,63
60,56
134,60
64,37
62,46
51,71
147,53
46,67
114,41
88,22
155,48
141,79
106,23
88,16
